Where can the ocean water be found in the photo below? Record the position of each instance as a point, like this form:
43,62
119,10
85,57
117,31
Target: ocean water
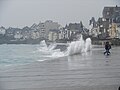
19,54
22,54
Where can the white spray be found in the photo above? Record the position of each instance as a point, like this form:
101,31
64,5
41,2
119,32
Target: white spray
88,45
79,46
75,47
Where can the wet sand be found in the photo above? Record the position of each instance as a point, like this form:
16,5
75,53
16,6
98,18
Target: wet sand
90,71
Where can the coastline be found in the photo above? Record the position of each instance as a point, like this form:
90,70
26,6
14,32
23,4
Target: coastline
86,72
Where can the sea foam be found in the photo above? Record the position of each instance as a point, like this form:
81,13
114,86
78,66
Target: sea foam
75,47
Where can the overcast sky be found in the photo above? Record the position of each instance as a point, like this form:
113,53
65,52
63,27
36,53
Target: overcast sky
20,13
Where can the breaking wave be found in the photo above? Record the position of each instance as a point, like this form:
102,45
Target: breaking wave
76,47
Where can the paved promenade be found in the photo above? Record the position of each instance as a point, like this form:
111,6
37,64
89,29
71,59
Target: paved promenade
91,71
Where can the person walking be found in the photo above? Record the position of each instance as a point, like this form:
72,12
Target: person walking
107,48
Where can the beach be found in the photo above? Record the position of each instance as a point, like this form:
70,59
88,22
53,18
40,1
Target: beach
88,71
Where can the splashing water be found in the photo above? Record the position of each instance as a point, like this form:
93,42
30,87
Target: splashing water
80,46
75,47
88,45
43,47
49,51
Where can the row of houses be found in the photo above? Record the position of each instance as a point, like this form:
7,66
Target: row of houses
107,26
40,30
48,30
69,32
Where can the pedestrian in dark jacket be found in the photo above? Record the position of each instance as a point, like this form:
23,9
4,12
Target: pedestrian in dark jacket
107,48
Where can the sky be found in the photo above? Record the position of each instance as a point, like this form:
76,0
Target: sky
21,13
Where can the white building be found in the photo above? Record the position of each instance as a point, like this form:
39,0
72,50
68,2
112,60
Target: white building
93,30
2,30
18,35
53,35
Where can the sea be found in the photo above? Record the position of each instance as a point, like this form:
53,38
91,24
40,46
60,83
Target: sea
23,54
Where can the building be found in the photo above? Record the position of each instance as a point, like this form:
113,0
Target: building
74,29
10,32
107,26
34,34
44,27
53,35
26,33
111,14
2,30
18,34
103,26
118,30
93,28
114,30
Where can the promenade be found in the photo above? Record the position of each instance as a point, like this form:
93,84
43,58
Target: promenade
90,71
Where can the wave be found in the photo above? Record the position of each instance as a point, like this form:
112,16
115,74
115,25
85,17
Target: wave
75,47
